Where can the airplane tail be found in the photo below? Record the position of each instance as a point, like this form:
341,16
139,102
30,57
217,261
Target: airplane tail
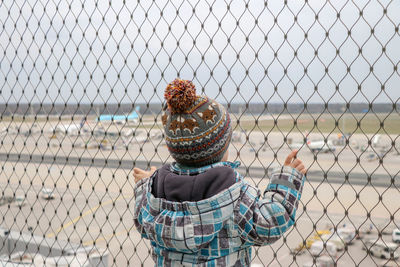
82,122
136,111
307,140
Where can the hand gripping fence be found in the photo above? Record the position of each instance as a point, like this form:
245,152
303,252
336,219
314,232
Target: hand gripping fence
81,96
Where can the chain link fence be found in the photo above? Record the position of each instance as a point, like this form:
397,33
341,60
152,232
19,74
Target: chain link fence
81,93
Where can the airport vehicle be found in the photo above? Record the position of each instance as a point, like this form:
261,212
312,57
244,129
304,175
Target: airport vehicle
334,238
347,234
120,119
396,235
47,193
317,248
380,249
9,130
372,157
310,241
20,200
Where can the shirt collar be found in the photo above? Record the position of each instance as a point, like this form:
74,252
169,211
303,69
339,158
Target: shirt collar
182,170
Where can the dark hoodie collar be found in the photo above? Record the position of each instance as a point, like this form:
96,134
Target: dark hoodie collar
179,169
178,184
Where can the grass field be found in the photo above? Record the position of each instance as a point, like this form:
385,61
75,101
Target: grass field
336,123
326,123
357,123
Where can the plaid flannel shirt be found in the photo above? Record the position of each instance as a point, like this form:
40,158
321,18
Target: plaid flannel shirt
220,230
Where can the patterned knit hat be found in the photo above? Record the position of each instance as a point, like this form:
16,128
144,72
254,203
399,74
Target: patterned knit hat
197,129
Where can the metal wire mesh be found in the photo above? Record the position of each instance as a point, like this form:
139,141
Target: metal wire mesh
320,76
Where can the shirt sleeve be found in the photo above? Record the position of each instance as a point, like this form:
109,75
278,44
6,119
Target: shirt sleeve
264,218
140,206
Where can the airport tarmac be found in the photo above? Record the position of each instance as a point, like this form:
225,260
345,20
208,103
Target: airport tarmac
257,149
104,218
94,191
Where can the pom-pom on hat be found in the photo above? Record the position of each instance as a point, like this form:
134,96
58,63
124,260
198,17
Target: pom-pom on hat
180,95
197,129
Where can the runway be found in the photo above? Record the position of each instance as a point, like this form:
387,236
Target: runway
94,189
254,172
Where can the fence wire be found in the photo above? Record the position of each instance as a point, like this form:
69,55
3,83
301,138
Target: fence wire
81,94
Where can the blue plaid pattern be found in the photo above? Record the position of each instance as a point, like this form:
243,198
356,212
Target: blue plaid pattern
220,230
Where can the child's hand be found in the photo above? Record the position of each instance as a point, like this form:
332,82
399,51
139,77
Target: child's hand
295,163
141,174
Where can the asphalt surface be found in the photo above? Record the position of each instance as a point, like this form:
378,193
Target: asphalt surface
354,178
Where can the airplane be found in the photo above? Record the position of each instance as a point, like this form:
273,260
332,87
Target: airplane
68,129
376,141
3,131
315,146
119,119
321,146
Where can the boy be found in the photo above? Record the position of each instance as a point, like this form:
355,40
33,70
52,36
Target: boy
199,211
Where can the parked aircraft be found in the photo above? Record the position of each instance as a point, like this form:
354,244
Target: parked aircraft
321,146
376,140
68,129
315,146
132,117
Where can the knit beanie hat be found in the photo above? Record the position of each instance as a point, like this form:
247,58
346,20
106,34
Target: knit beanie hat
197,129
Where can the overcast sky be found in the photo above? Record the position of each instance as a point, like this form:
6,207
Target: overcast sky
70,51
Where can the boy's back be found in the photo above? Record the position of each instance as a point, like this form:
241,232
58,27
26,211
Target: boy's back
206,214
